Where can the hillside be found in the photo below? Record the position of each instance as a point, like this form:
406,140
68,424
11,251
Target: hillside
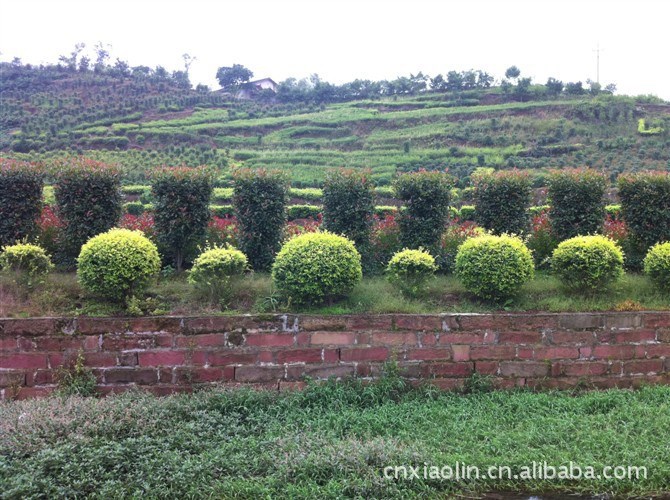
144,121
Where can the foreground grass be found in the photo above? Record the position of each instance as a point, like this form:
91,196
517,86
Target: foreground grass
329,441
61,295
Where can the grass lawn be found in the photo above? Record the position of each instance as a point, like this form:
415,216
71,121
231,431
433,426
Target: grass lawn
61,295
328,441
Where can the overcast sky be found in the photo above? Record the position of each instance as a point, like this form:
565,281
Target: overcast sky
345,39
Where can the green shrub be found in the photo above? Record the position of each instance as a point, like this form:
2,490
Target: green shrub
383,211
117,264
494,267
538,210
303,212
502,199
613,211
134,208
181,211
20,200
222,195
577,198
29,263
317,267
222,210
467,213
48,196
587,263
426,196
259,199
348,206
645,206
88,199
384,192
214,269
134,189
410,270
452,238
309,194
657,265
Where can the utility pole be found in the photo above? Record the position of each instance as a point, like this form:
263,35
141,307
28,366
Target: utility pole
597,51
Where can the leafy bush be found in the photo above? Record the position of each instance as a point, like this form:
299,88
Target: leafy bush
452,238
577,198
221,232
541,240
348,206
181,211
587,263
657,265
467,213
134,189
382,211
502,199
29,263
384,241
317,267
409,270
20,200
426,196
213,270
613,211
645,206
117,264
222,210
259,198
494,267
309,194
134,208
88,199
303,212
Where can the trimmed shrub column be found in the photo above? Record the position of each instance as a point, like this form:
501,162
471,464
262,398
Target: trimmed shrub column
20,200
88,199
259,200
502,200
181,211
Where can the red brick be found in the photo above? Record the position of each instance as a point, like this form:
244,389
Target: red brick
9,379
141,376
271,340
231,357
386,338
429,353
32,326
627,336
656,320
153,324
428,339
96,326
643,366
585,369
657,350
581,321
128,359
303,338
451,369
204,340
524,353
52,343
523,369
468,338
265,357
461,352
363,338
299,356
34,392
328,338
493,352
413,370
613,352
585,352
473,322
122,342
364,354
325,323
98,359
213,324
663,335
40,377
8,344
418,323
162,358
202,375
520,337
556,353
487,367
324,372
331,355
258,373
23,361
572,337
369,322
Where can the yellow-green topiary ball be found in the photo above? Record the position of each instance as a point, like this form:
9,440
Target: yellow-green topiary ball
657,265
410,270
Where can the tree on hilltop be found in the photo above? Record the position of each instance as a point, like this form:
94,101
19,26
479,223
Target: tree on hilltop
232,77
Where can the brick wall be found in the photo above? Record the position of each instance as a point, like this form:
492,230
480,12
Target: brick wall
168,354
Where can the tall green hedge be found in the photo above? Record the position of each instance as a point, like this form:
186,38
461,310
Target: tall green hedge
502,200
645,206
20,200
577,198
259,199
348,206
88,199
426,196
181,210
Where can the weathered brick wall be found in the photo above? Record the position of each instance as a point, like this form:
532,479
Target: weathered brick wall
167,354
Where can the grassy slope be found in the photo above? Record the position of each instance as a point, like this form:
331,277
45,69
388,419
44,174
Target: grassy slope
329,441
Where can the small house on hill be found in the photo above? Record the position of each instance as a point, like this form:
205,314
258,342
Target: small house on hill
250,89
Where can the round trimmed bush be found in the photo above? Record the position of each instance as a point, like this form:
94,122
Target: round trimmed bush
117,264
657,265
30,262
214,268
494,267
315,267
587,263
409,270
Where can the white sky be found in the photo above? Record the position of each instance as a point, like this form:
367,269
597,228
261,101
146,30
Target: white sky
345,39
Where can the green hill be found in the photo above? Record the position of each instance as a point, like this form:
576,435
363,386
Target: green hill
141,119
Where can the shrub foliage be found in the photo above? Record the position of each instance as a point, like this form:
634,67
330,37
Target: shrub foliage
409,270
577,198
29,263
181,210
259,199
88,199
117,264
213,270
317,267
426,196
587,263
20,200
494,267
657,265
502,200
